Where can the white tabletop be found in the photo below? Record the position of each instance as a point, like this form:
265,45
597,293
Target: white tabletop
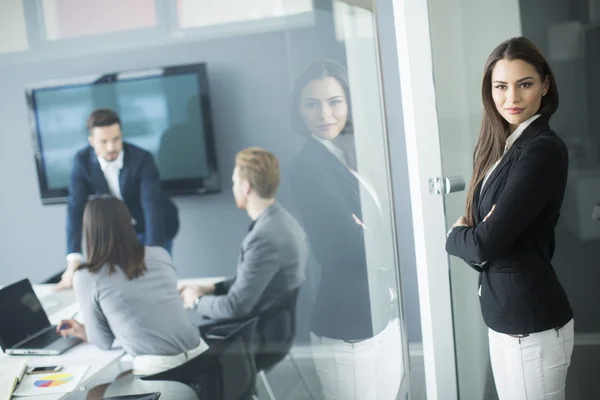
82,354
62,305
200,281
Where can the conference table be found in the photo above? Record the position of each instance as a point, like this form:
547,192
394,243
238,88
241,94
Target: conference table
62,305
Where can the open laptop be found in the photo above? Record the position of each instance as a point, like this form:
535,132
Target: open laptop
24,325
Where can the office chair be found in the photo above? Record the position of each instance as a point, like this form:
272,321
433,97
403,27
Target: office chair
275,333
226,371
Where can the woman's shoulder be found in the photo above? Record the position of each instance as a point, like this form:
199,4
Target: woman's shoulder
84,277
304,155
547,141
157,254
313,159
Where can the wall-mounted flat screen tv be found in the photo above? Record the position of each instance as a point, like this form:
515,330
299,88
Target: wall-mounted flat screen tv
164,110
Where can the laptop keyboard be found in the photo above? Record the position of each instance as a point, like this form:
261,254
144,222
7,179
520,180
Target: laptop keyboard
41,341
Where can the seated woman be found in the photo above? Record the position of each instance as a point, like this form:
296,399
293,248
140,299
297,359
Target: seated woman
128,292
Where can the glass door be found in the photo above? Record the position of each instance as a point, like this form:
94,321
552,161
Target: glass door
459,51
442,47
438,49
340,185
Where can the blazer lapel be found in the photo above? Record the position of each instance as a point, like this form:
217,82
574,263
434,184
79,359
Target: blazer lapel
343,176
537,126
505,160
476,201
123,174
97,176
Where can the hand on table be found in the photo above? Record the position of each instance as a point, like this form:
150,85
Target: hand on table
66,280
70,327
189,294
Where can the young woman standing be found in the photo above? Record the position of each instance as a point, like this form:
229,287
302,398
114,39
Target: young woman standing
513,205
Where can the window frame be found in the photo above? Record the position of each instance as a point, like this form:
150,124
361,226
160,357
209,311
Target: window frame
165,33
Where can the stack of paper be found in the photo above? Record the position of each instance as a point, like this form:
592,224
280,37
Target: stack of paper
11,373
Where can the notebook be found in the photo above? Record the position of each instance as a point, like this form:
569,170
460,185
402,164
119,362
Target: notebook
11,372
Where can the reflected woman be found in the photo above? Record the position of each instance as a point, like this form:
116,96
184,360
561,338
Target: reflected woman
355,328
513,205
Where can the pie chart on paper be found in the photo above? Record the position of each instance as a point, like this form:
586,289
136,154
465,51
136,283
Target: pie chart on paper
54,380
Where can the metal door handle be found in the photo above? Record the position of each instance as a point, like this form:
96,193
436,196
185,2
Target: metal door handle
446,185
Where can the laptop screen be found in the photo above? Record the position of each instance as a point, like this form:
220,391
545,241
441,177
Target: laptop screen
21,313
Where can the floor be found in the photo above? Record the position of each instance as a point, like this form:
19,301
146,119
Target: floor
583,381
287,384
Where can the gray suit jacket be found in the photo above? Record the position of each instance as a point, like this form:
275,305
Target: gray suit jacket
272,262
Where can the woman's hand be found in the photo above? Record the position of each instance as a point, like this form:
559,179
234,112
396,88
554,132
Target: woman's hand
189,293
490,213
359,222
462,221
70,327
66,279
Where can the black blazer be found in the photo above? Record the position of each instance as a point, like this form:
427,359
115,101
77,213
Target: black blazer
520,292
326,194
155,215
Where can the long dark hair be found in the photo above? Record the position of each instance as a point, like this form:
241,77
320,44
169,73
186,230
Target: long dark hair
492,137
110,238
316,71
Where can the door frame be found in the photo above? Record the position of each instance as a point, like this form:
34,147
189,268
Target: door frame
407,73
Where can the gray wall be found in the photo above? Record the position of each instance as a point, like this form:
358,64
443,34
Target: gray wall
577,235
249,84
250,78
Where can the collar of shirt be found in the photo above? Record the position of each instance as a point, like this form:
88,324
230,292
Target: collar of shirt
116,164
265,211
333,149
518,132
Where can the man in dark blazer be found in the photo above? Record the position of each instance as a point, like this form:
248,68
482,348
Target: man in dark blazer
110,166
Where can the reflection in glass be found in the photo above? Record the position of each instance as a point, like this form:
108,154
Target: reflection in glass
194,14
355,337
74,18
13,34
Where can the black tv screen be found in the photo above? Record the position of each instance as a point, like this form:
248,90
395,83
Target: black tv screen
163,110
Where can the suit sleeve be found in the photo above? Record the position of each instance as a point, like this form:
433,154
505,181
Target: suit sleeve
536,177
336,239
260,264
223,287
75,206
150,192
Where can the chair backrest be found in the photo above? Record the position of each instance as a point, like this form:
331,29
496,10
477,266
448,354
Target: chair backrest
226,371
275,331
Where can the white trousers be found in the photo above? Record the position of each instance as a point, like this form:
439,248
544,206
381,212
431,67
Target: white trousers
534,367
371,369
150,365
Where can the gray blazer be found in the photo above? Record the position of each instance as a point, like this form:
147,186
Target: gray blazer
144,314
272,262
